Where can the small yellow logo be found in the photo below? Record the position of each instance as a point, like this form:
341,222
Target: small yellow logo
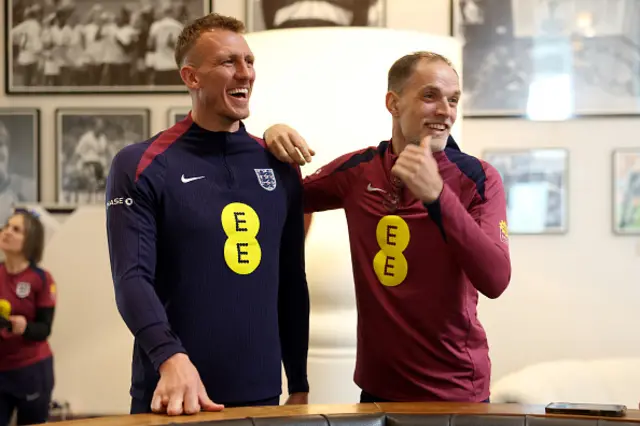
504,231
5,308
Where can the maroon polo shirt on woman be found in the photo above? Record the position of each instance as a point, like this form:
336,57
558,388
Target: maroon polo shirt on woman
418,270
25,293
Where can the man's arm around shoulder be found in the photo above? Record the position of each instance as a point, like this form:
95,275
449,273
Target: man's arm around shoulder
328,186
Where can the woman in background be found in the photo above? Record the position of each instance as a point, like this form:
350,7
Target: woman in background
27,303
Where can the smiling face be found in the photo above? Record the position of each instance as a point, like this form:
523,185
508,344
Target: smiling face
223,76
426,103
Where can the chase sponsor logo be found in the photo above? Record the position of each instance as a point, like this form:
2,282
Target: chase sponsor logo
120,201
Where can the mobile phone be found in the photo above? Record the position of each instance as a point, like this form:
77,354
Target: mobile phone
586,409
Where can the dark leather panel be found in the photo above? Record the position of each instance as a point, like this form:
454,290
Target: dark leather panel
418,419
382,419
356,419
487,420
231,422
559,421
311,420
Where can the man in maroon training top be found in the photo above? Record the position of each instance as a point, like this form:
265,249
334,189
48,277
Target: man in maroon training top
427,229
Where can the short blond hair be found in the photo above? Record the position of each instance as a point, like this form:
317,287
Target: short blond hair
402,69
192,32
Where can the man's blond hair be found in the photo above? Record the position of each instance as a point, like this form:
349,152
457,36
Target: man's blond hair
402,69
192,32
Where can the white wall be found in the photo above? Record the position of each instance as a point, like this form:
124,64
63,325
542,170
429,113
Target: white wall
573,295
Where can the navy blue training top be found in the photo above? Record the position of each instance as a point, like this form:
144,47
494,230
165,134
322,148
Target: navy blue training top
206,241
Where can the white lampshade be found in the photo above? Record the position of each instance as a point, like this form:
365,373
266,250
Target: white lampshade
330,85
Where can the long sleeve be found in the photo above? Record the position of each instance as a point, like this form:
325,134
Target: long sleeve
131,233
327,188
293,303
40,328
478,237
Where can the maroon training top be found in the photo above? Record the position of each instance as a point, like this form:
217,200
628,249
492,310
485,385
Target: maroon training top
24,293
418,270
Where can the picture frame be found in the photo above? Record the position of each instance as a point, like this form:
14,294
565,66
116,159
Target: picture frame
626,191
176,114
516,53
536,188
36,62
19,159
263,15
87,139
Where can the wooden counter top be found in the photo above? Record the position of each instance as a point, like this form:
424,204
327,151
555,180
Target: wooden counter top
302,410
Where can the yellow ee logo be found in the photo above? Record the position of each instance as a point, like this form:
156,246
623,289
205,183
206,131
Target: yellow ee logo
393,238
241,224
5,308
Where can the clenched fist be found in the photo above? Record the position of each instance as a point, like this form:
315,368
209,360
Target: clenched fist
418,170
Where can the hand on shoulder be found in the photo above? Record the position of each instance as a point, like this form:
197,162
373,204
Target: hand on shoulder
286,144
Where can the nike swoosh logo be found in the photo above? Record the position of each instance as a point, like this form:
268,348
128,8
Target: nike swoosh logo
191,179
371,188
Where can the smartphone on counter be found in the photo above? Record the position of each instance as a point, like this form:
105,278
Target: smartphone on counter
586,409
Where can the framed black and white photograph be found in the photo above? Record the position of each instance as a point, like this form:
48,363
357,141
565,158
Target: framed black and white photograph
177,114
626,191
94,46
279,14
86,142
19,158
549,59
535,183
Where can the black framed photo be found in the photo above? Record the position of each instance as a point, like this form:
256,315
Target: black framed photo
278,14
549,59
95,46
177,114
626,191
19,158
86,142
536,185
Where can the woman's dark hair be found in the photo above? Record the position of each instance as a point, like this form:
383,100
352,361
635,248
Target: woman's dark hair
33,235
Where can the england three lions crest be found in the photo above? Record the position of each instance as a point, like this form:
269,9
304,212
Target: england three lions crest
266,178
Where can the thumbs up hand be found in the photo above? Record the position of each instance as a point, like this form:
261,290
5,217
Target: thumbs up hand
418,170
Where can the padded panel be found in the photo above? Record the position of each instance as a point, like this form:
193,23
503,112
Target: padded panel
311,420
230,422
418,419
559,421
356,419
486,420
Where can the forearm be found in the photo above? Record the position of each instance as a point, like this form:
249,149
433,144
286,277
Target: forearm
40,328
144,315
484,260
318,197
294,336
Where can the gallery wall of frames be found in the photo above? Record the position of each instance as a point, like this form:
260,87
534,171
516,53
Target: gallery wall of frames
125,47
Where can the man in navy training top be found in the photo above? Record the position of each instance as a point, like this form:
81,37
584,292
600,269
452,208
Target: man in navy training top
206,241
428,231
